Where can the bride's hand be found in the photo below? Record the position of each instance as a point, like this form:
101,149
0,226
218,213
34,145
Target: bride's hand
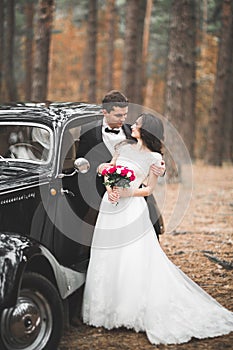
103,166
113,195
125,192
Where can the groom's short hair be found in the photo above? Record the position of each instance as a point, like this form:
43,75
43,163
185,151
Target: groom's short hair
114,98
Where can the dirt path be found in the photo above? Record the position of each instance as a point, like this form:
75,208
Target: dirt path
207,228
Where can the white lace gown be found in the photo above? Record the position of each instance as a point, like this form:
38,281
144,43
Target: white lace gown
131,282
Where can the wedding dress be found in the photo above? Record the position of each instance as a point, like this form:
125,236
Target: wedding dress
132,283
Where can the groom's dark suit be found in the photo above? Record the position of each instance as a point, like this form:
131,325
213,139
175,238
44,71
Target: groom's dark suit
92,147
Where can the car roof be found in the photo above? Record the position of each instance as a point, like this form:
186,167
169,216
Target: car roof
47,112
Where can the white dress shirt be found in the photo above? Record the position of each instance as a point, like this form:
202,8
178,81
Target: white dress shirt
111,139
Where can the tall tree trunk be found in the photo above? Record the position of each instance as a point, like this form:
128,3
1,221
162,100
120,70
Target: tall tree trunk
9,50
145,45
92,47
180,86
139,79
217,118
42,50
130,50
1,47
111,15
228,120
228,124
29,14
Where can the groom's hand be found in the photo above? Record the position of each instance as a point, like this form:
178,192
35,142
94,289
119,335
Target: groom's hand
158,170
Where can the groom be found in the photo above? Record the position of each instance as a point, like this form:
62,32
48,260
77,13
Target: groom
96,144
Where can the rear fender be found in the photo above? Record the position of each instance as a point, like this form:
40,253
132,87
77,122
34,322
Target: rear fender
14,251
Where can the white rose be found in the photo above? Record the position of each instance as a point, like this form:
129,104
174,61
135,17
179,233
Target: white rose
118,171
129,174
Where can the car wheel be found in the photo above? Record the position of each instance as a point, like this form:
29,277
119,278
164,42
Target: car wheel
36,321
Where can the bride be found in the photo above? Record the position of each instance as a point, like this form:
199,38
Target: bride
130,280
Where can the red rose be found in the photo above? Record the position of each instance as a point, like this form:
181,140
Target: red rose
104,172
112,170
132,177
124,172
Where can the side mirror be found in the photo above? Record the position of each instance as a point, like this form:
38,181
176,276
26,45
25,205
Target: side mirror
81,165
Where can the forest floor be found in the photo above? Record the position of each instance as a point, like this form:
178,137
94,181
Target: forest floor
206,229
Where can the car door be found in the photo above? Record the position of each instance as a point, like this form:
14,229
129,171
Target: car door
72,235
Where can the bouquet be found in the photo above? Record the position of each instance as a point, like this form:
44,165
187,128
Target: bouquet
119,176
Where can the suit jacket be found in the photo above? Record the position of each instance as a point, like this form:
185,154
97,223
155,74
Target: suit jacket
92,147
91,136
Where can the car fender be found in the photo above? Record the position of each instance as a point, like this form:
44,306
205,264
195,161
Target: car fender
67,279
16,253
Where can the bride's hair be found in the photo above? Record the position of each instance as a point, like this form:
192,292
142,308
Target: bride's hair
152,132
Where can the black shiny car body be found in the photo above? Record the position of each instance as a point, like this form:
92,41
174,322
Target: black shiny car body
42,257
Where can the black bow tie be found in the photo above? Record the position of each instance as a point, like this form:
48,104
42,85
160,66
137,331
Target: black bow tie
112,130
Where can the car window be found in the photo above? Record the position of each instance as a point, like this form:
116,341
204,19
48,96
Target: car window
25,142
69,140
69,147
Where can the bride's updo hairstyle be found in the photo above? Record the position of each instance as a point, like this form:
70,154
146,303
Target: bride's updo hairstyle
152,132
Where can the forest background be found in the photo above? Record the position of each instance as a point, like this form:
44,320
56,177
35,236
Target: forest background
174,57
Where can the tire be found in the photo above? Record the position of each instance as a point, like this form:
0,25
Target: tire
36,321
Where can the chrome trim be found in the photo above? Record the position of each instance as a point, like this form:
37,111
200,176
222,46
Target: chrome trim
24,188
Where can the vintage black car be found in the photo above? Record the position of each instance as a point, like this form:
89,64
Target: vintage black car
43,258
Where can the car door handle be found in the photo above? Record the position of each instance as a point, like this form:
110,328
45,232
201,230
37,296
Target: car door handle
65,191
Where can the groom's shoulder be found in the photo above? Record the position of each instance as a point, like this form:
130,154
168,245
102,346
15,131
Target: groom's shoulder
127,126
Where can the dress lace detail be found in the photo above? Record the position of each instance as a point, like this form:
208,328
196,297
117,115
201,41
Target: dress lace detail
132,283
